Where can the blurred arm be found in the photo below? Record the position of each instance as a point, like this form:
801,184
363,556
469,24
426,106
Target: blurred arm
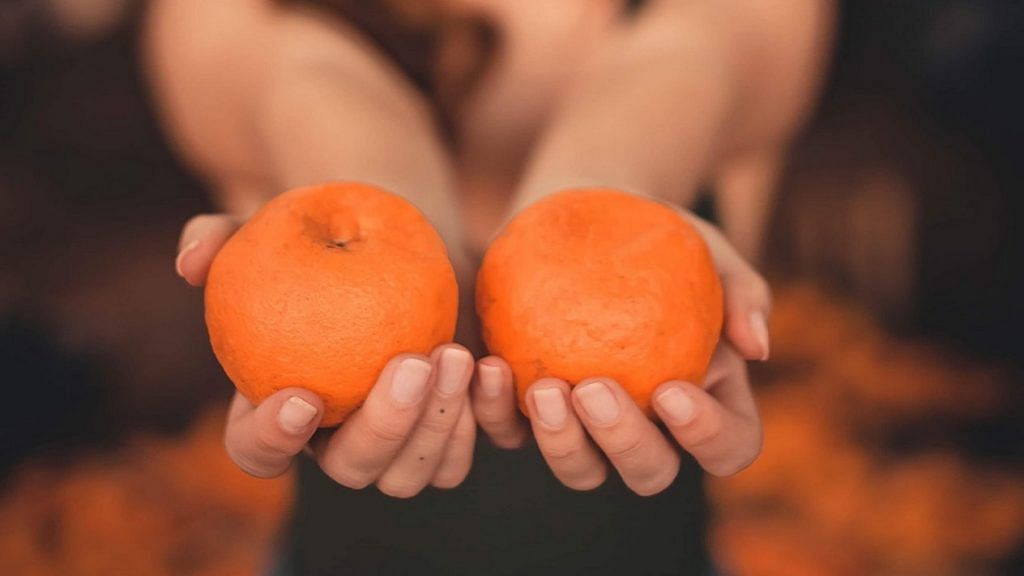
681,92
260,98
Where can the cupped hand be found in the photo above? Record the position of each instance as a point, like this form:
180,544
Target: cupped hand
582,429
416,427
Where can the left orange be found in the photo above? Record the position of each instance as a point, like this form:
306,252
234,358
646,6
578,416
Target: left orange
324,285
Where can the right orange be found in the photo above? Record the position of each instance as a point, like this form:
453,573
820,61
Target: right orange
598,282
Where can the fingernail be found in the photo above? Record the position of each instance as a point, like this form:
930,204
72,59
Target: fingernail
410,381
551,408
760,328
181,256
296,414
453,364
677,405
490,380
599,402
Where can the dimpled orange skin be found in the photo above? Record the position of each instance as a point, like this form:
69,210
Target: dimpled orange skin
322,287
599,282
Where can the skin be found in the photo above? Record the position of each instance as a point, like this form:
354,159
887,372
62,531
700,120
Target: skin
284,97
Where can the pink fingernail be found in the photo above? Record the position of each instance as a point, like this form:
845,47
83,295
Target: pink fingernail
551,408
598,402
677,405
181,256
490,380
760,327
410,381
452,376
296,414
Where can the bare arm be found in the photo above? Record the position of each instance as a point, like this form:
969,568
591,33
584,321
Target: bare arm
683,91
261,98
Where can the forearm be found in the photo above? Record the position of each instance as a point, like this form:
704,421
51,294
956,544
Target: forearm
679,92
339,111
643,116
260,99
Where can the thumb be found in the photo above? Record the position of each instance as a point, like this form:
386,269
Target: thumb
262,440
201,238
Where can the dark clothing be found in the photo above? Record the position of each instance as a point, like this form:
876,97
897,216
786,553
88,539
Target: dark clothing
511,516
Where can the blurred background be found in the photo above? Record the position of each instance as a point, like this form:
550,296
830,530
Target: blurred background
892,404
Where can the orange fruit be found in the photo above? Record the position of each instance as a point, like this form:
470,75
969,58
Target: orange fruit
322,287
600,283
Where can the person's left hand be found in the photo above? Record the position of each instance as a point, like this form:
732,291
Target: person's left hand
580,429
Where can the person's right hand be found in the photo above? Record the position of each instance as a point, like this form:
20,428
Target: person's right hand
415,429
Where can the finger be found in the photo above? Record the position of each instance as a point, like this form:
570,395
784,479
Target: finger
458,456
417,461
561,438
494,404
718,426
748,298
745,191
359,451
646,460
262,440
201,239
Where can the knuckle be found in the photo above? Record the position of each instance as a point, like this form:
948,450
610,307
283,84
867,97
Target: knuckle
498,427
513,441
561,453
655,483
344,473
252,467
270,443
385,432
398,489
437,426
448,481
452,475
738,463
466,438
251,464
245,466
490,414
705,431
257,459
730,468
346,476
591,479
488,417
626,448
